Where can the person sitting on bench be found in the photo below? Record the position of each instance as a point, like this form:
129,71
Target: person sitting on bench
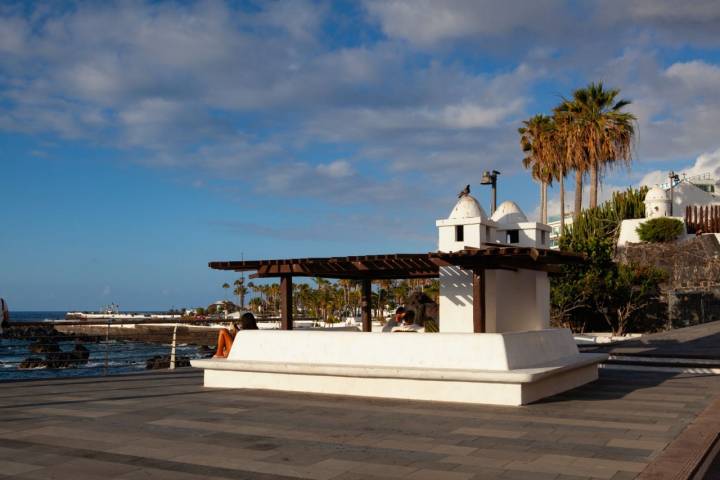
394,322
226,337
409,324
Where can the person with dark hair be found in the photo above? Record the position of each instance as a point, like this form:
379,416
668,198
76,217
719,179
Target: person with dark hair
226,337
408,323
394,322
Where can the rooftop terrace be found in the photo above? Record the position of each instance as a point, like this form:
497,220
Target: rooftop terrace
167,426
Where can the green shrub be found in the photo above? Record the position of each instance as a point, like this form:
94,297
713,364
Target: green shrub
601,293
661,229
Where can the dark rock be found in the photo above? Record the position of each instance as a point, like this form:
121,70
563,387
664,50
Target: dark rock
79,355
160,362
35,333
31,363
48,345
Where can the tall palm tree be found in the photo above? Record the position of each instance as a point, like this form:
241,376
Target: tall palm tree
240,291
597,134
557,162
535,143
226,287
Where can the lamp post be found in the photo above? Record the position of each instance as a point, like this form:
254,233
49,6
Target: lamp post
490,178
674,177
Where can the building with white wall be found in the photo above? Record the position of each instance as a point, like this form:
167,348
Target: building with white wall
514,300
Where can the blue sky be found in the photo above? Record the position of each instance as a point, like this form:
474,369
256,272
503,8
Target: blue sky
140,140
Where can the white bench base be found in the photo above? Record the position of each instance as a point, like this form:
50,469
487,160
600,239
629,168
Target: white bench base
498,369
480,392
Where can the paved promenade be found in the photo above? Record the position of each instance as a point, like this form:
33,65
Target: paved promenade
698,342
167,426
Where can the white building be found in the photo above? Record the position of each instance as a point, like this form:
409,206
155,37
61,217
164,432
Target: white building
514,300
698,190
657,205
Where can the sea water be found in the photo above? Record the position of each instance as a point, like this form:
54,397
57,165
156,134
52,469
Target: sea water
112,357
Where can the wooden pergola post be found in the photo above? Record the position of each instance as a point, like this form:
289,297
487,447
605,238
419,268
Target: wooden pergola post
479,300
366,304
286,322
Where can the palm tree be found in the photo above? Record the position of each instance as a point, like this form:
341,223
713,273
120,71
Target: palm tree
597,133
226,286
557,162
535,141
240,291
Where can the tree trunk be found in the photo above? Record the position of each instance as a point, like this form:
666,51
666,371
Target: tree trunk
541,202
545,202
593,185
578,193
562,203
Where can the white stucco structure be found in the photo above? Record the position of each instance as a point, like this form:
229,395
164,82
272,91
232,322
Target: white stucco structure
507,369
519,360
515,301
657,203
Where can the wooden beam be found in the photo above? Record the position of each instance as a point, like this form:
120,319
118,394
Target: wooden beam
479,323
286,321
366,304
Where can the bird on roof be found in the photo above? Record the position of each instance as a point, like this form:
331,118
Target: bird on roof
465,192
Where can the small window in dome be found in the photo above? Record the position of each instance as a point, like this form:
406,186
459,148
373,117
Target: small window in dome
512,236
459,233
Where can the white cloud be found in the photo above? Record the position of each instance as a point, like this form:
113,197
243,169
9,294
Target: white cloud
425,22
696,75
708,162
477,116
336,169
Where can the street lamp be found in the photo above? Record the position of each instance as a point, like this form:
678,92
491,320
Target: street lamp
490,178
674,177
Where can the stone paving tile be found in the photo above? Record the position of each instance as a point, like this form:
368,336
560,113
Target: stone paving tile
14,468
157,474
489,432
522,475
637,444
427,474
80,469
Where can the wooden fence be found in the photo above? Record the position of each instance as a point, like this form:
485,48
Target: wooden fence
703,219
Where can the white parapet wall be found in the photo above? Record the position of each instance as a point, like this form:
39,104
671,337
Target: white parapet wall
504,368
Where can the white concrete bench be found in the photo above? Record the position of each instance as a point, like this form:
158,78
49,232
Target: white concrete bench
506,369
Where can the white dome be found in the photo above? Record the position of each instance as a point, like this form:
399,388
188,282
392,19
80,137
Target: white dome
467,207
508,212
656,194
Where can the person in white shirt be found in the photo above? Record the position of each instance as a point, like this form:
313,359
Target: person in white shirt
408,324
395,322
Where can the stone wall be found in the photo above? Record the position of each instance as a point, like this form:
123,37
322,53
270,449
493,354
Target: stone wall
692,289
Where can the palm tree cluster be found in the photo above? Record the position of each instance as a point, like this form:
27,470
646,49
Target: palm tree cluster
331,300
586,134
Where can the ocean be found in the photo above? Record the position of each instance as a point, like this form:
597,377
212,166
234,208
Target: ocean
111,357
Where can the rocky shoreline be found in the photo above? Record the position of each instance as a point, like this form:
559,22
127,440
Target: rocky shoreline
45,350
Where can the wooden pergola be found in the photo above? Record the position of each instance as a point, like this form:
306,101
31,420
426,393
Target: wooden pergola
367,268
